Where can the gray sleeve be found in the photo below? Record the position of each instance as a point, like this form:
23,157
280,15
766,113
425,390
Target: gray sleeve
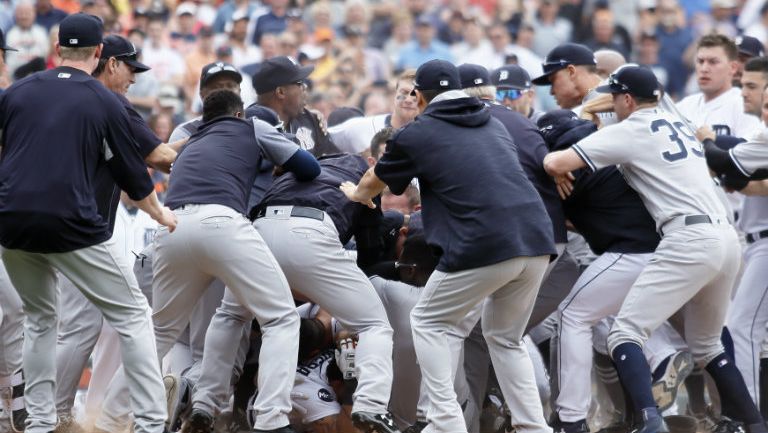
604,148
179,133
750,156
275,146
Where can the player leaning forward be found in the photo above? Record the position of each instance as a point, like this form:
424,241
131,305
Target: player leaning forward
694,266
467,191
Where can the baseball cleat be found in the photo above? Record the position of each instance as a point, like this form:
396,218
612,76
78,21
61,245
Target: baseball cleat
652,422
199,422
727,425
177,400
416,428
665,389
571,427
67,424
681,423
369,422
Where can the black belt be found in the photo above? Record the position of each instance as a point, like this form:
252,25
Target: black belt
697,219
754,237
297,211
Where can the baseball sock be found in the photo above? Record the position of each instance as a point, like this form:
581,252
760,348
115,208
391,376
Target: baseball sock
730,384
763,393
727,340
606,373
544,350
635,374
694,386
18,410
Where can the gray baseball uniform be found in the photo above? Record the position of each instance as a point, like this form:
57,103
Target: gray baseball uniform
752,155
697,260
11,338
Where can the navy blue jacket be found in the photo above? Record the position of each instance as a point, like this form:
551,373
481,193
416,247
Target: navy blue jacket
60,128
603,208
531,150
479,208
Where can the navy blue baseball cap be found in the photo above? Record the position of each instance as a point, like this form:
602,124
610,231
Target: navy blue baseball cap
122,49
437,75
81,30
263,113
279,71
2,43
511,77
635,80
749,46
472,75
219,69
563,55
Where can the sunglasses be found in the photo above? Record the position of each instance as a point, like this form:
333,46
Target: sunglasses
511,94
616,85
221,67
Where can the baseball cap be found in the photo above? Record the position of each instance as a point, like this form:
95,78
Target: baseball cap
563,55
186,8
2,43
122,49
472,75
279,71
263,113
219,69
511,77
342,114
81,30
750,46
635,80
437,75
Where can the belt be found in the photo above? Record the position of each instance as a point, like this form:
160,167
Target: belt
688,220
296,211
754,237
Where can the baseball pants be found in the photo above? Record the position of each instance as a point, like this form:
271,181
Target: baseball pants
749,313
598,293
508,290
105,278
316,265
11,338
693,268
214,241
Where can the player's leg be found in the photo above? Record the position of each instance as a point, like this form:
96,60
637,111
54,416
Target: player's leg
749,313
317,265
80,324
106,363
236,254
105,277
704,317
681,265
598,293
35,281
554,288
505,315
11,338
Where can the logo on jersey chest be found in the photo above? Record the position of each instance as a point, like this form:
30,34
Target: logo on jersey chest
324,395
304,135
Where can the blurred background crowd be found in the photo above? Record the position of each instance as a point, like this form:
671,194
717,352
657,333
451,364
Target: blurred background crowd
358,46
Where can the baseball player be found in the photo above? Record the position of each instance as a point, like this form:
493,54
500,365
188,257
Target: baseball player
80,322
54,222
480,258
280,85
515,91
354,135
695,264
617,226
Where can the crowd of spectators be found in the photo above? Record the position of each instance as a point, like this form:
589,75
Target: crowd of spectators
358,46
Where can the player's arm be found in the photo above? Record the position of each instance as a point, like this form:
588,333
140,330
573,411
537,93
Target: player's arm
559,165
161,158
756,188
284,153
369,187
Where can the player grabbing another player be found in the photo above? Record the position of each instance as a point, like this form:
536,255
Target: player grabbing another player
696,262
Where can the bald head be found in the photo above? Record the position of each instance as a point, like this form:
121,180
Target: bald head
608,61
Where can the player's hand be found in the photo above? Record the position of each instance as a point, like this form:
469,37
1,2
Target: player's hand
601,104
320,120
564,184
705,132
167,218
345,357
350,190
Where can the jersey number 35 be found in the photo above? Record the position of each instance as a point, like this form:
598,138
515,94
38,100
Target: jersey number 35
675,130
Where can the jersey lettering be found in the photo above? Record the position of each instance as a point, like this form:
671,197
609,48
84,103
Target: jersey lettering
681,152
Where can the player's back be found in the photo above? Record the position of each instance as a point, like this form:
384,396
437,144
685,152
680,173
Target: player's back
668,170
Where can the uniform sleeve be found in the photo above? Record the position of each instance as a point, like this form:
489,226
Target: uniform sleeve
350,136
395,167
121,152
603,149
750,156
275,146
178,133
146,139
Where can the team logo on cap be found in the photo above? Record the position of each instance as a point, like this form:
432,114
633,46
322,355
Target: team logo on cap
73,41
503,75
443,83
478,81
